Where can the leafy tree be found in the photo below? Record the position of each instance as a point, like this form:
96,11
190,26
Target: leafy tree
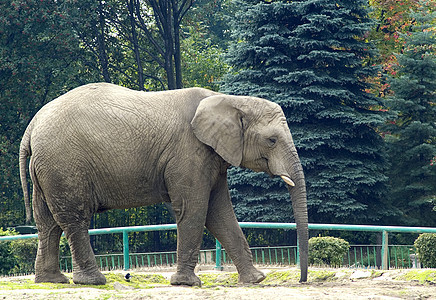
308,56
49,47
161,25
114,46
412,134
393,19
202,61
38,51
211,19
133,43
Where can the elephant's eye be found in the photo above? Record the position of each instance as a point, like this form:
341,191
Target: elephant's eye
272,141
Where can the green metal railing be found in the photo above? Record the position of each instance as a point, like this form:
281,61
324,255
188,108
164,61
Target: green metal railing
219,255
358,256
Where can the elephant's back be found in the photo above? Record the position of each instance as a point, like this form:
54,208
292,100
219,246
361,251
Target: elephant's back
106,121
105,100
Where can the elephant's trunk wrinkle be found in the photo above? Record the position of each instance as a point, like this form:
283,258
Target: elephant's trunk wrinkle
299,205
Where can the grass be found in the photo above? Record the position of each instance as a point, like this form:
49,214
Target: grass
214,280
422,276
16,283
138,280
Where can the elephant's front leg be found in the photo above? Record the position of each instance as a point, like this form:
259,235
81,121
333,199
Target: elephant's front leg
222,223
190,213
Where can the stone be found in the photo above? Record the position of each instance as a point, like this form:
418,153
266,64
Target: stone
360,274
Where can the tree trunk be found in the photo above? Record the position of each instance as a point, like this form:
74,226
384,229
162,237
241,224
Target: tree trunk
177,54
102,53
135,43
165,14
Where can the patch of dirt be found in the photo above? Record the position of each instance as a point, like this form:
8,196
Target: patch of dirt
280,284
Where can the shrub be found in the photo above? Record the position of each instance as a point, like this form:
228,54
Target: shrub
64,248
327,250
7,259
426,250
17,256
24,252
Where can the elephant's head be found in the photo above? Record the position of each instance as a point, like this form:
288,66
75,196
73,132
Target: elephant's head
253,133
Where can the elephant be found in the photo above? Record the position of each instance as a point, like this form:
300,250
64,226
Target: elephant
101,146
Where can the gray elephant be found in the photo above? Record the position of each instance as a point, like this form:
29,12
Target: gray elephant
101,146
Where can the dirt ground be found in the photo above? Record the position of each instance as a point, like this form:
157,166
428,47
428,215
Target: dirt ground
281,283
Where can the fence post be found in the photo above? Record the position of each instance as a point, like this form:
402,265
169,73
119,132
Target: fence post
218,252
385,251
126,250
297,259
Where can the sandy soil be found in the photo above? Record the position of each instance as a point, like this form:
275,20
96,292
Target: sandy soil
346,284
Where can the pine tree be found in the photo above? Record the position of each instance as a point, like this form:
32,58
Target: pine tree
309,57
412,139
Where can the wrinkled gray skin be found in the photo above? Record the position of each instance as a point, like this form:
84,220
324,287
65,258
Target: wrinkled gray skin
102,146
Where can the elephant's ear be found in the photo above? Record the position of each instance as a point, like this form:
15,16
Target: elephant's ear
218,124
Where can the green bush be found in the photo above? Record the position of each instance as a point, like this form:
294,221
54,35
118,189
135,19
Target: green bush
17,257
327,250
64,248
24,252
426,250
7,259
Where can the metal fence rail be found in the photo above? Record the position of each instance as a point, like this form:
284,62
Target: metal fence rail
393,256
358,256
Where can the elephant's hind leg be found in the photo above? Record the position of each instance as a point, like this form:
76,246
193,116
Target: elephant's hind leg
85,269
49,234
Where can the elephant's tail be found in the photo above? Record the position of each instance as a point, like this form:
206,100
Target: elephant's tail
25,152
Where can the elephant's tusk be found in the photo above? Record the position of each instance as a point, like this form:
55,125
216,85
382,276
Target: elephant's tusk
287,180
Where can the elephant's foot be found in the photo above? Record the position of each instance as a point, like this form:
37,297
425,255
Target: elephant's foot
89,278
251,276
190,279
57,277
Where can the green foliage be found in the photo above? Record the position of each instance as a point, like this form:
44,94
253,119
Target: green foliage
7,259
257,197
48,48
312,57
38,61
24,252
202,61
64,248
423,276
212,16
327,250
18,256
411,135
309,57
425,247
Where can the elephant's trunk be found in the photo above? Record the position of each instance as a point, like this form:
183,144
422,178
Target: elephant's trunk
299,205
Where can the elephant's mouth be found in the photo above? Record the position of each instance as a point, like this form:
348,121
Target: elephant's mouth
262,165
258,165
284,177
